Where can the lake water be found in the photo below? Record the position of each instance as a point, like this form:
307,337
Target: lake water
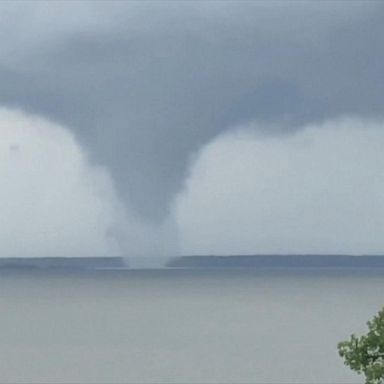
183,326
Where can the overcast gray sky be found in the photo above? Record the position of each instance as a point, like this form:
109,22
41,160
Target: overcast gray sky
146,101
145,84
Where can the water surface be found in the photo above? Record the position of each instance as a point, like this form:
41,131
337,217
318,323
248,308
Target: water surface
183,326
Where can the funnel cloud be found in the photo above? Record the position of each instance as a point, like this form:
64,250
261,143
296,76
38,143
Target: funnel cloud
54,202
142,87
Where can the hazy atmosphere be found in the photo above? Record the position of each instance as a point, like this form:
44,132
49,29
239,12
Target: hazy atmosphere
191,191
146,122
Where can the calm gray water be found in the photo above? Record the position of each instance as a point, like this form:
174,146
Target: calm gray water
205,326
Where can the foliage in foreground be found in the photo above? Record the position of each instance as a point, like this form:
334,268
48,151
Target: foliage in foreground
365,354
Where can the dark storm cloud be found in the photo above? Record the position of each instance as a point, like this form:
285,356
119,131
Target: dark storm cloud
145,85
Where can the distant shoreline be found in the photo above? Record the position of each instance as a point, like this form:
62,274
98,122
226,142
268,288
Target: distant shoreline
279,261
193,262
